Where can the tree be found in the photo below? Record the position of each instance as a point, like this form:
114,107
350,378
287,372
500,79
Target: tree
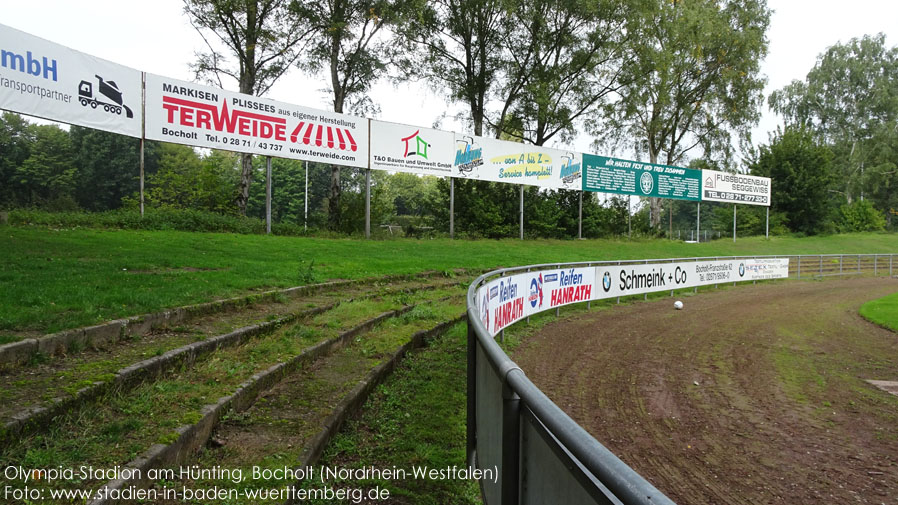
347,40
107,167
15,144
802,179
47,178
187,181
695,82
564,58
263,35
460,43
850,100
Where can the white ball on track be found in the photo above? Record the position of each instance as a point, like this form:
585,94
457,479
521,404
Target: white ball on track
678,305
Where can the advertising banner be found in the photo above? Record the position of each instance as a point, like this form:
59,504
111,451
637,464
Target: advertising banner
512,162
193,114
43,79
404,148
735,188
626,177
506,300
625,280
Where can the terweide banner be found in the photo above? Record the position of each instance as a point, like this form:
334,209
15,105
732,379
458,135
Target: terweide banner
512,162
735,188
47,80
412,149
627,177
506,300
188,113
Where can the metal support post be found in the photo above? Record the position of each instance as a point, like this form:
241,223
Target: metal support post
268,195
799,266
451,207
367,203
767,226
511,446
305,218
734,223
522,212
580,218
698,222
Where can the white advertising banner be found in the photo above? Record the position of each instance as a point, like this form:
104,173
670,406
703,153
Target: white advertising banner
735,188
506,300
502,161
43,79
625,280
404,148
197,115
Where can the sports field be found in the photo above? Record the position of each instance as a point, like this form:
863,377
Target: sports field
750,394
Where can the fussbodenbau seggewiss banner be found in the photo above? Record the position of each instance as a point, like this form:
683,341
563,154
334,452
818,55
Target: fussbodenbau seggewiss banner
193,114
48,80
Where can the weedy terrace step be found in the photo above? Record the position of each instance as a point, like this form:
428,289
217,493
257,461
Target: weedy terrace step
192,437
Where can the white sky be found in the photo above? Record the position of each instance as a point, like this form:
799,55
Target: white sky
155,36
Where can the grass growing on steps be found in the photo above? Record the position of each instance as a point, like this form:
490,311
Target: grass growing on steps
416,418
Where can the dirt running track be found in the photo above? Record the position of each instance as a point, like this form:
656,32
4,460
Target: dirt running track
749,395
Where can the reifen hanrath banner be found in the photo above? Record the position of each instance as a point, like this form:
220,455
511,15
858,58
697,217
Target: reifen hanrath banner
47,80
197,115
735,188
412,149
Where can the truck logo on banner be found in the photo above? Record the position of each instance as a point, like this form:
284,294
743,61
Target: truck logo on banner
107,90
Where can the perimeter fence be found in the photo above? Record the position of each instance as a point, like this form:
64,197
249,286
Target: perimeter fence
539,454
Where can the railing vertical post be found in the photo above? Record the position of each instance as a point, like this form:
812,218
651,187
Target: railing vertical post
858,263
840,264
511,441
875,257
821,265
799,266
472,391
890,264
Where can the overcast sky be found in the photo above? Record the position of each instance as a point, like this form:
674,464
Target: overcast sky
155,36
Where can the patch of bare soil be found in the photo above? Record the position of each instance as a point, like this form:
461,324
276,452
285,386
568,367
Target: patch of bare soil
750,395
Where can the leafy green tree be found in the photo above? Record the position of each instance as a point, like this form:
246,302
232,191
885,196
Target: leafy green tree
48,177
187,181
348,41
850,99
695,82
564,58
16,139
802,179
264,38
457,47
108,167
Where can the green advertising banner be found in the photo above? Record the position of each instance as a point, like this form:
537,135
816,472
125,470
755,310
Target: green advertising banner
626,177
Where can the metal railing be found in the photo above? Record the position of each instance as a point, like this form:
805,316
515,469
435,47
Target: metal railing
538,453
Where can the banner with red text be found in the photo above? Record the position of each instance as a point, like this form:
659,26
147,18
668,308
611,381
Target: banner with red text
197,115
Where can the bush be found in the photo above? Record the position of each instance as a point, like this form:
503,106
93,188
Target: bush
860,215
